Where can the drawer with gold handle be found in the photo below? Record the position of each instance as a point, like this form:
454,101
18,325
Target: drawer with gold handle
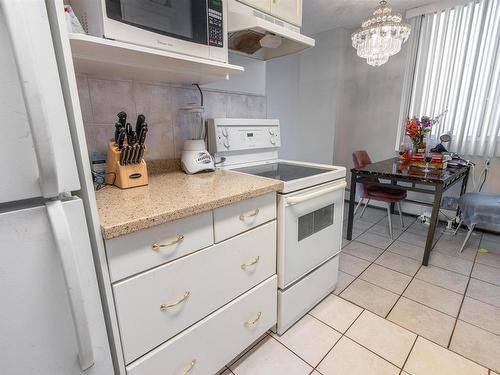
252,322
191,365
249,215
140,251
202,340
166,306
156,246
242,216
168,299
253,262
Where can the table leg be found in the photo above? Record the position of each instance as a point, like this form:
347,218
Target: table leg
392,203
434,221
352,197
464,187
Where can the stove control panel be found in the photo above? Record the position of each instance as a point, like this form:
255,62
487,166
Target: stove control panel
227,136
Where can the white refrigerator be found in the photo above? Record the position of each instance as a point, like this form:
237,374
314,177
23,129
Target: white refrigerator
51,316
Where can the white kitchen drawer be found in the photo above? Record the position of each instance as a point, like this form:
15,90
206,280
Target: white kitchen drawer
239,217
298,299
134,253
213,342
205,281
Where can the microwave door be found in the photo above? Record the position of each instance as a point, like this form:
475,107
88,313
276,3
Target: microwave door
179,19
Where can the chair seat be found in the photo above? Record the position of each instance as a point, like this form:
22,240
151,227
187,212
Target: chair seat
385,194
480,208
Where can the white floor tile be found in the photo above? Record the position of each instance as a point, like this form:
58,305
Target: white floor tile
427,358
350,358
382,337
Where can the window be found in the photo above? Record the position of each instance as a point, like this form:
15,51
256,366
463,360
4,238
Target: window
454,65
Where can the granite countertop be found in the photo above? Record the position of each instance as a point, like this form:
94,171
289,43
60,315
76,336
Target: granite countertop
174,195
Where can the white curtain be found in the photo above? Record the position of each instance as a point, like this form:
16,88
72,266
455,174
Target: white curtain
454,65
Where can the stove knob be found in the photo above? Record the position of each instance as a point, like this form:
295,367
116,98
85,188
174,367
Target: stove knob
272,140
224,132
271,131
226,143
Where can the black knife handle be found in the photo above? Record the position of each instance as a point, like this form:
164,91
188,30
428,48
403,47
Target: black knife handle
138,125
123,154
122,118
142,136
121,138
128,130
118,126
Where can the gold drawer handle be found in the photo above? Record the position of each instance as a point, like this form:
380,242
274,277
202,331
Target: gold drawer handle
191,365
247,215
157,246
193,362
252,322
245,265
166,306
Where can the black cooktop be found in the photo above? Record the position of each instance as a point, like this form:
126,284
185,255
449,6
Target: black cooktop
283,171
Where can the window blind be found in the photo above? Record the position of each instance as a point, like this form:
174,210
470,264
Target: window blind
454,65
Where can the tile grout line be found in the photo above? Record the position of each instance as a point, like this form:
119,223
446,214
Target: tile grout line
463,298
409,353
413,278
464,294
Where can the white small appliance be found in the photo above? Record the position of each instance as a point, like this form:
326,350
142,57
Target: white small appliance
309,208
195,28
195,157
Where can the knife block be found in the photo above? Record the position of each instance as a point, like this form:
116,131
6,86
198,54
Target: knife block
124,176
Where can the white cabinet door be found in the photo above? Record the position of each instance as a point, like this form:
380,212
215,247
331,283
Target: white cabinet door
264,5
287,10
38,330
35,145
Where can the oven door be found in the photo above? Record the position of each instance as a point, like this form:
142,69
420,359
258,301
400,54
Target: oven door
310,229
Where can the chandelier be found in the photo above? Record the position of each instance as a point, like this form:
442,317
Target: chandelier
381,35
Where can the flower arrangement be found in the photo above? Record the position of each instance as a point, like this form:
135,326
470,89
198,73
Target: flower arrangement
417,128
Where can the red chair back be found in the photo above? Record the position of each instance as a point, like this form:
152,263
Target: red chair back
362,159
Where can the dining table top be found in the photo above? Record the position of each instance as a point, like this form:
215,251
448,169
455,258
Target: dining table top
403,170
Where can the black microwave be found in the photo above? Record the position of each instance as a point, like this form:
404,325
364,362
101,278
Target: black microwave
192,27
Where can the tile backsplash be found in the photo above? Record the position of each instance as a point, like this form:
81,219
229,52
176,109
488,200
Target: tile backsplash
101,99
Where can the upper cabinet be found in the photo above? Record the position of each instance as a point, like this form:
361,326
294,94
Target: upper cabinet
286,10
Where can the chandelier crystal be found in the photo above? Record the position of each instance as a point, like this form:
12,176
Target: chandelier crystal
381,35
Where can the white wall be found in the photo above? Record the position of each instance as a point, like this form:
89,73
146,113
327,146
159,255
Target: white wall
251,81
303,92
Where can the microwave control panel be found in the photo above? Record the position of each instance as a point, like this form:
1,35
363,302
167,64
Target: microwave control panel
215,22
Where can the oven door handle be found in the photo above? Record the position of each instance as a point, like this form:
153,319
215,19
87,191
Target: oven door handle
302,198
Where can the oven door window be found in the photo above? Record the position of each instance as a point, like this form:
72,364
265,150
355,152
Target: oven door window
181,19
315,221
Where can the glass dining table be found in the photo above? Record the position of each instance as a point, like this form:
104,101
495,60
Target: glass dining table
396,173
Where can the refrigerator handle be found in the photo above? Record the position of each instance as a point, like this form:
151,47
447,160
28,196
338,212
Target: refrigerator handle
24,31
65,249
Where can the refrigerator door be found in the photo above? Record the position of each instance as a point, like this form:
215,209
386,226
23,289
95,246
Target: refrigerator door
33,110
51,308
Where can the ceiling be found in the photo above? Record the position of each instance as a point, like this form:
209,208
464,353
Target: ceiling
321,15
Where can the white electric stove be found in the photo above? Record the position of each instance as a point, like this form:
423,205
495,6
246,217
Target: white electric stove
309,207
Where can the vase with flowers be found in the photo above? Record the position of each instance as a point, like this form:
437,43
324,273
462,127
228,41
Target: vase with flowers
418,128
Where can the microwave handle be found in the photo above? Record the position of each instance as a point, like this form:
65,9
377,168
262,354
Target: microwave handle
304,197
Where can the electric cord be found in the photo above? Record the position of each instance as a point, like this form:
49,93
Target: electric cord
100,179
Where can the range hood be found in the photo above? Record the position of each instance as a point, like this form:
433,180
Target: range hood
258,34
